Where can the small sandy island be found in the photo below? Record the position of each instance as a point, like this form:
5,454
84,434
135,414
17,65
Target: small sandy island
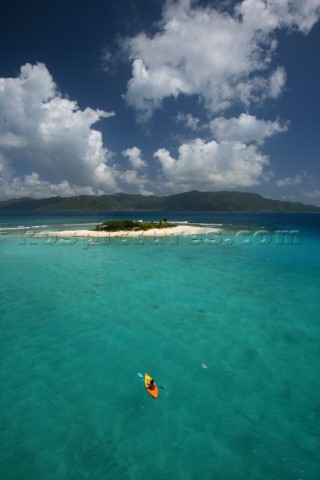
153,232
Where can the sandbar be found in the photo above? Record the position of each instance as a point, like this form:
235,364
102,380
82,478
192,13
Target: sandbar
153,232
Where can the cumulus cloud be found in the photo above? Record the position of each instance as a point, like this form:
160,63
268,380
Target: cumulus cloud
246,128
136,176
32,186
313,194
230,159
135,181
135,158
223,58
52,136
188,120
298,179
212,165
267,15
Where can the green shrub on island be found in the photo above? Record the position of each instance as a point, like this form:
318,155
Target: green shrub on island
132,225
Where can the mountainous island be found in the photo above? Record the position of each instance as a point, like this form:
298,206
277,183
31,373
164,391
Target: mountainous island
224,201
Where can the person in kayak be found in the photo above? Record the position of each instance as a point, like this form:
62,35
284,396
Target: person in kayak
151,385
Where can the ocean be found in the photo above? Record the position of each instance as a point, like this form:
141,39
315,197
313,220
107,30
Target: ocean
227,323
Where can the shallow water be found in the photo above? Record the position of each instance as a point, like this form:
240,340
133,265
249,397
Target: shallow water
229,329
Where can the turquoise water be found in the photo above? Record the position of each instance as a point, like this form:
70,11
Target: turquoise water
229,329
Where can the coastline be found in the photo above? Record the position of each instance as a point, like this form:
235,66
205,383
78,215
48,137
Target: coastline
154,232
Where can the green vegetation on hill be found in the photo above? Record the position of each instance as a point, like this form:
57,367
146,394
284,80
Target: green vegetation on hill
188,201
131,225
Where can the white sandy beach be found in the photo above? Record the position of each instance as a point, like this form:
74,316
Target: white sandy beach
154,232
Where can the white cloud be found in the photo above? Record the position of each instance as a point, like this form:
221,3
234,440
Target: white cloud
53,136
212,165
313,194
246,128
136,181
136,177
271,14
135,158
284,182
277,82
223,58
298,179
188,120
32,186
231,160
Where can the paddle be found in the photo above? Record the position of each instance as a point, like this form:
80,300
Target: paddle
142,376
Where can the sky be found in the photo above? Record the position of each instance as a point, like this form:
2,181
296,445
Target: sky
160,97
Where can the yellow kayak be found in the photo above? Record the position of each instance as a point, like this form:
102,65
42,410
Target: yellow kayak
151,387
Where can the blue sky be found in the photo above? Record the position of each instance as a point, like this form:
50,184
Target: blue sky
150,96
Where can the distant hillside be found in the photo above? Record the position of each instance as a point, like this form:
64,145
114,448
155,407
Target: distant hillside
188,201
